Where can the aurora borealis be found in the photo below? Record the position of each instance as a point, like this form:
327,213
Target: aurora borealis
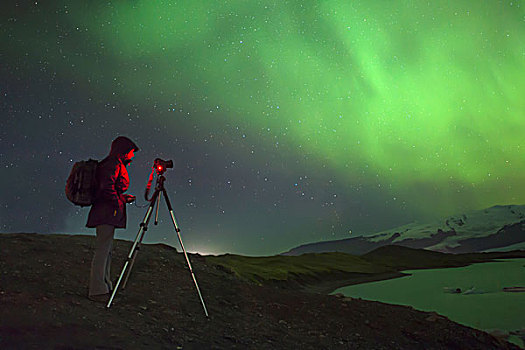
288,122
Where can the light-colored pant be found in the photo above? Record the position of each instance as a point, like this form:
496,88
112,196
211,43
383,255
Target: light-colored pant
100,278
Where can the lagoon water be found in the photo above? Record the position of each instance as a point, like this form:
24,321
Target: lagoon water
425,290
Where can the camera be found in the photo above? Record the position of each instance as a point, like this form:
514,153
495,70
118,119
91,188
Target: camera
161,165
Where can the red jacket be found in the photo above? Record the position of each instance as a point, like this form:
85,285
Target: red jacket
112,177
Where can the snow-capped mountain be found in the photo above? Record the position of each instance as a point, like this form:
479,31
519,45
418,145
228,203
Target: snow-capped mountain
499,228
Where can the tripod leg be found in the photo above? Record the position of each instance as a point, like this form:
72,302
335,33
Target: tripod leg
132,262
183,249
133,252
157,209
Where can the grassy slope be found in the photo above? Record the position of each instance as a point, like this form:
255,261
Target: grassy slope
325,272
277,268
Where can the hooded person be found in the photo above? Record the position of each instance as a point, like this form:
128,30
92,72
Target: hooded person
108,212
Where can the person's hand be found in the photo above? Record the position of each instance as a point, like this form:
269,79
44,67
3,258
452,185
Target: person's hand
129,198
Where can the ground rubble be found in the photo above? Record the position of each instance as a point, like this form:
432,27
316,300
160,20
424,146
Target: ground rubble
43,287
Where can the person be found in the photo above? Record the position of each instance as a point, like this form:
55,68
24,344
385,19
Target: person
108,212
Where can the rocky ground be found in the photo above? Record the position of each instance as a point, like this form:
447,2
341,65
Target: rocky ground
43,305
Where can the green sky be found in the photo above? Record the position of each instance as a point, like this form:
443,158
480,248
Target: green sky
419,98
337,115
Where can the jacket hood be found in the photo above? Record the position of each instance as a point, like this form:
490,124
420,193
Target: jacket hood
122,145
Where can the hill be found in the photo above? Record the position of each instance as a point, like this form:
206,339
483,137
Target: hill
43,305
325,272
404,258
499,228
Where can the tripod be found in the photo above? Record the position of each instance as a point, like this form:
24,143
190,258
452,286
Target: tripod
155,201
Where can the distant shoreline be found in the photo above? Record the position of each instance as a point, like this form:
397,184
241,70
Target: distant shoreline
328,287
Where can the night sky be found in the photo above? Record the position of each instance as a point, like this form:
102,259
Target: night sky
288,121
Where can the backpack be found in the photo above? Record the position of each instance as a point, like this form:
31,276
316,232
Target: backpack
81,185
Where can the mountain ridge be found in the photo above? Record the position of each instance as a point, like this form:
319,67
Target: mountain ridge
501,227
